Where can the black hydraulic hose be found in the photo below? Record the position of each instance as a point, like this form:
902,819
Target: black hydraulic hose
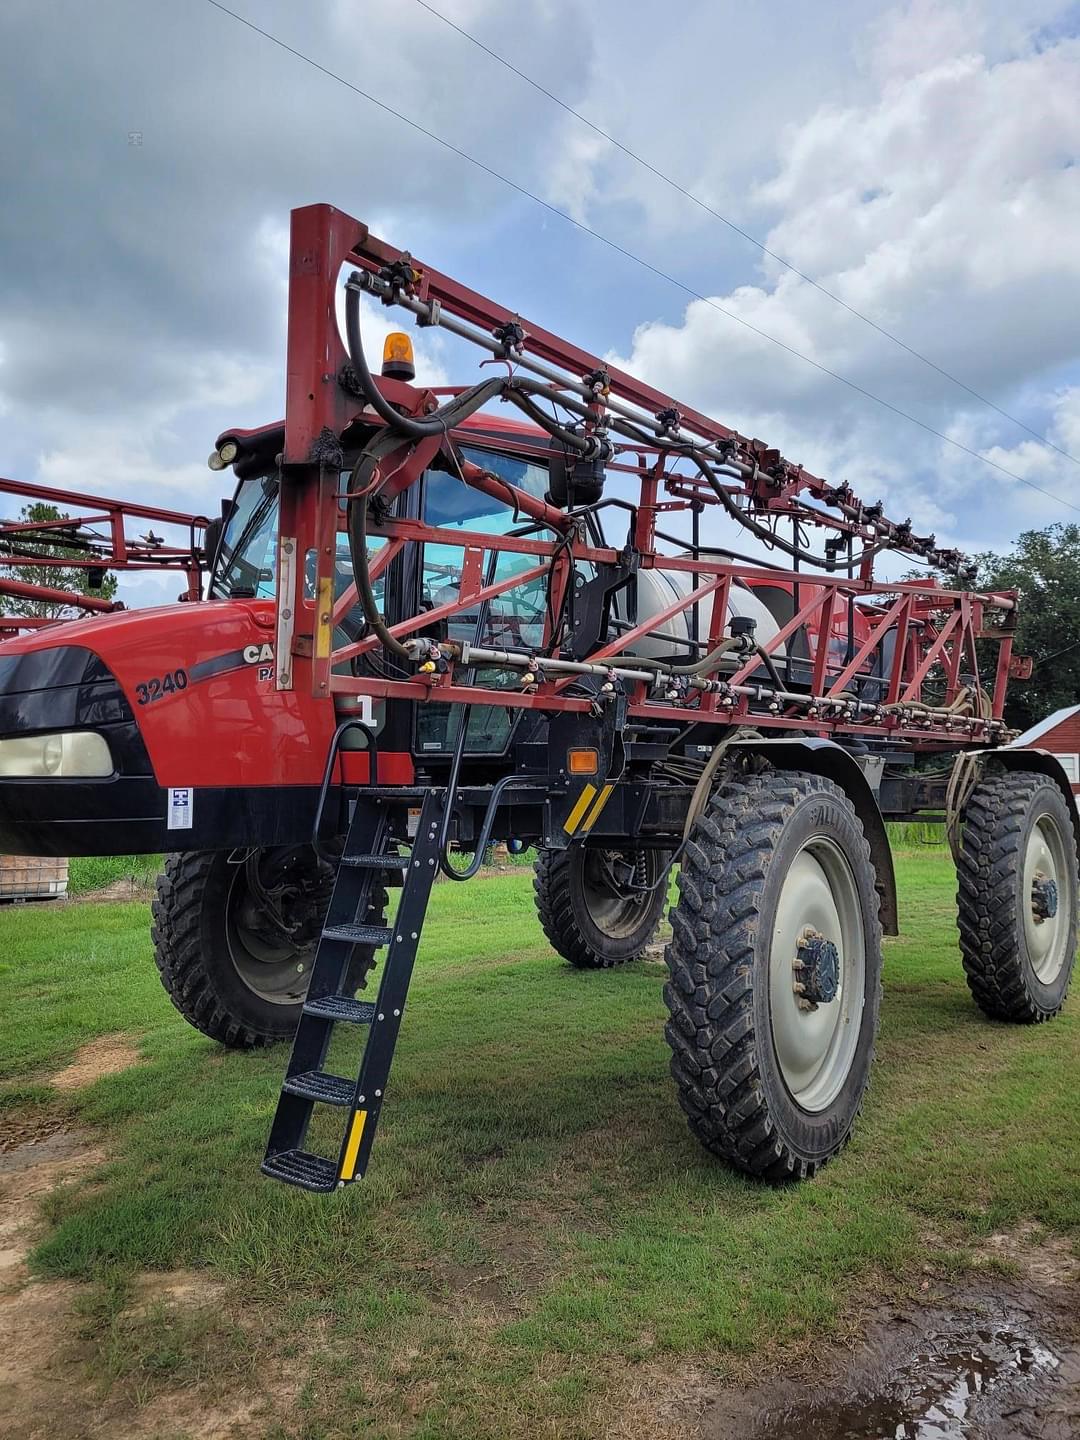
365,594
515,393
762,532
690,451
698,667
718,550
767,660
439,423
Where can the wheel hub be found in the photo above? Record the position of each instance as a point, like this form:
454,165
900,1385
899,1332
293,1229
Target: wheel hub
1050,893
817,970
1044,897
817,939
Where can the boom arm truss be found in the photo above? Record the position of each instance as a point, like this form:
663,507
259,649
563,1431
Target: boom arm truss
92,535
681,460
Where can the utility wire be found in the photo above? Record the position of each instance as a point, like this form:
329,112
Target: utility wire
629,255
1065,649
731,225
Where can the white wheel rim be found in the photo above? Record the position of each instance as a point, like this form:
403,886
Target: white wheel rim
1045,859
816,1047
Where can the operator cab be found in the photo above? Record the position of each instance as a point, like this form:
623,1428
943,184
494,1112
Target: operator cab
244,567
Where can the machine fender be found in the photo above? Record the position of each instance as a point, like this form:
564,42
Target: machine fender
824,757
1038,762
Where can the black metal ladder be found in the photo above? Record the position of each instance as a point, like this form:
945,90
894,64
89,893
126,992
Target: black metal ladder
371,851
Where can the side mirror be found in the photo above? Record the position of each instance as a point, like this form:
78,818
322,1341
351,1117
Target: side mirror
214,531
211,541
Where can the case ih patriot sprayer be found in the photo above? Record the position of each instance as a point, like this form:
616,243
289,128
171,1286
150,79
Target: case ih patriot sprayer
430,626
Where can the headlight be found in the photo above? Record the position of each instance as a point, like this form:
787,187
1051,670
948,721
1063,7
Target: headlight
65,755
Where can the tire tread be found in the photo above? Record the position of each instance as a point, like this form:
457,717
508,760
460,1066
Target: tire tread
711,964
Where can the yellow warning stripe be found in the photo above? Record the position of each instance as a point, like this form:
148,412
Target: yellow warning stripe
352,1149
601,801
324,626
584,800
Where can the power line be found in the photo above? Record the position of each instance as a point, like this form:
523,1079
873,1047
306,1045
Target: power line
629,255
1065,649
731,225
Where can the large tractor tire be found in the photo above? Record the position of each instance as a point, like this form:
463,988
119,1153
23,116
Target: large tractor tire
234,939
1017,896
593,903
775,973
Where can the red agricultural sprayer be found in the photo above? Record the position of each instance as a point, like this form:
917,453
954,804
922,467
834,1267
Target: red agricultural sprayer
439,618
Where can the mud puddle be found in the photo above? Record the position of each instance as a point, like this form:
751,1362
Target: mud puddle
984,1370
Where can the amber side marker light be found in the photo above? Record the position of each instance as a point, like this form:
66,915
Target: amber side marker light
583,762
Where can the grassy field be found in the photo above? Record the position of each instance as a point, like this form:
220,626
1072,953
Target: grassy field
539,1239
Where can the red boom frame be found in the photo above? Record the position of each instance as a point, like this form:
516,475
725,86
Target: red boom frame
937,628
96,532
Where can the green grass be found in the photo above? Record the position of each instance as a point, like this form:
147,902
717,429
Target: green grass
95,872
538,1224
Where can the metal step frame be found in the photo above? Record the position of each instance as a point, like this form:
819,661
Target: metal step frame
370,850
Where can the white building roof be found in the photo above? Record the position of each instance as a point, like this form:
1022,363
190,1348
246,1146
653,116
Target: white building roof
1042,727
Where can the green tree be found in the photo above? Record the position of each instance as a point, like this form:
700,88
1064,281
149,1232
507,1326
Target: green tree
59,544
1044,566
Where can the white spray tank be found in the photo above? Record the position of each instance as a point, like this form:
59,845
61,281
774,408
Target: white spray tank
658,589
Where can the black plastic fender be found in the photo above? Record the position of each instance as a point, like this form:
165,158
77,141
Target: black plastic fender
824,757
1039,762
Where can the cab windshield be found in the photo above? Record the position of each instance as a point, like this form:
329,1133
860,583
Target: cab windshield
246,558
246,564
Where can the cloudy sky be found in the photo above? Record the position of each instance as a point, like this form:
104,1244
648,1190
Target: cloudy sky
918,160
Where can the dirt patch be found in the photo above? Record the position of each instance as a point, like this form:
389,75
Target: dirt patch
997,1358
174,1287
29,1129
35,1376
128,887
27,1173
49,1342
107,1055
1044,1262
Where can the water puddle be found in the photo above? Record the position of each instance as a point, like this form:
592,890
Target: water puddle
930,1395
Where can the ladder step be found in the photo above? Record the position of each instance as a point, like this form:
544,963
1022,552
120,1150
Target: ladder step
300,1167
360,934
376,862
322,1086
341,1007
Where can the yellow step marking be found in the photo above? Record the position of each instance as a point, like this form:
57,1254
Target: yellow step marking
601,801
352,1149
584,800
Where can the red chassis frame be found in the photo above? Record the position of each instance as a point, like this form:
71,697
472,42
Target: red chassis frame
936,627
96,529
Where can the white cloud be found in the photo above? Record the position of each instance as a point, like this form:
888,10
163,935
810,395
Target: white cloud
946,207
920,160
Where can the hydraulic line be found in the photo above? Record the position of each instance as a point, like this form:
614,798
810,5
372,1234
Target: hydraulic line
763,533
357,523
623,418
701,667
518,391
767,660
441,421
